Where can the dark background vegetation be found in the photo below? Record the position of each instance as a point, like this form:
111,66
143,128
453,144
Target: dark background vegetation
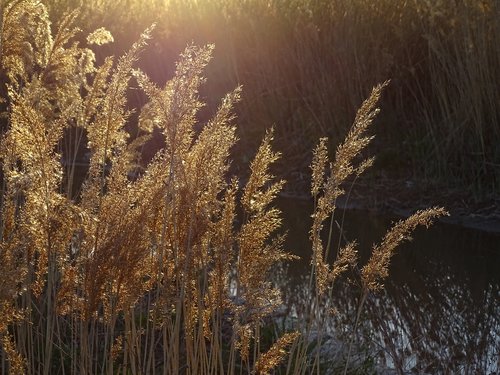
306,66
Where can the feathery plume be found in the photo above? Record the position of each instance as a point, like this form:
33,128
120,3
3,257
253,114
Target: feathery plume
327,192
275,355
318,165
377,268
100,36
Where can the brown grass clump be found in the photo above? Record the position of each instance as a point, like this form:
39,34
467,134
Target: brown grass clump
325,192
114,265
97,276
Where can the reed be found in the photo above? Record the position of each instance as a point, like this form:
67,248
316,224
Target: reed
141,268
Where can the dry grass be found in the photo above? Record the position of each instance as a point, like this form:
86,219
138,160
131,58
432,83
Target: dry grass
142,268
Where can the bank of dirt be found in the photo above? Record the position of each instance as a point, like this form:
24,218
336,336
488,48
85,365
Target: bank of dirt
402,197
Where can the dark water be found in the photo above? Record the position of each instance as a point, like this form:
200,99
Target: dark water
440,309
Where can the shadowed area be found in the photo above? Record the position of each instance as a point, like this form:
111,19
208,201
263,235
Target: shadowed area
440,309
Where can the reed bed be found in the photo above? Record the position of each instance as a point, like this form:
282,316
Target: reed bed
157,266
307,65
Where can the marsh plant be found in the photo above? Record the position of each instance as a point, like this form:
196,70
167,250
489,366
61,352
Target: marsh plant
133,267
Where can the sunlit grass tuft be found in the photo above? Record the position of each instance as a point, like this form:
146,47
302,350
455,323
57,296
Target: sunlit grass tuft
147,267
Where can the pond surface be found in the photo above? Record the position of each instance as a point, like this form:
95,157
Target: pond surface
440,309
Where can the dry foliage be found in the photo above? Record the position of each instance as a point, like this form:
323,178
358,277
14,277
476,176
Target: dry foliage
141,269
